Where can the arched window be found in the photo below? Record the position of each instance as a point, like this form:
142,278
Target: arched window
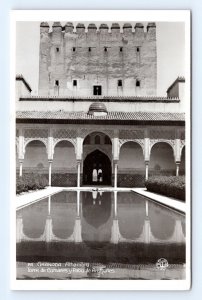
87,140
97,140
107,140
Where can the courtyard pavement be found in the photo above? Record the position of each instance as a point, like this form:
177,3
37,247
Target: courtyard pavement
27,198
167,201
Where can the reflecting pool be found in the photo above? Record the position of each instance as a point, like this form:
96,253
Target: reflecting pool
74,235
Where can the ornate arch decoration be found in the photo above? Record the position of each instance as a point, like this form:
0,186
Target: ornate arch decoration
17,145
85,132
169,142
72,141
140,142
100,148
29,140
181,148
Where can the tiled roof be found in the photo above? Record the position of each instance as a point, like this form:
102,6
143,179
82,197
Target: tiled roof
125,116
102,98
178,79
20,77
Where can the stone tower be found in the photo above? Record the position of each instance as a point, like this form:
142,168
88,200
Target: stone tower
86,62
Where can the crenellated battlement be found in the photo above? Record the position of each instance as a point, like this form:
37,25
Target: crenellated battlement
97,59
115,27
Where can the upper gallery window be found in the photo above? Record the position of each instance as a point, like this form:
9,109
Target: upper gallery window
57,83
120,83
97,90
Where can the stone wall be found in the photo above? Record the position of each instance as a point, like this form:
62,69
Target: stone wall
72,62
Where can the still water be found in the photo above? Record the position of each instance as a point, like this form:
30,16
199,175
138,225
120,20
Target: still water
97,227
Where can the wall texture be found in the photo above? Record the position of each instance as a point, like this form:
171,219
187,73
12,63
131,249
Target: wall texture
95,56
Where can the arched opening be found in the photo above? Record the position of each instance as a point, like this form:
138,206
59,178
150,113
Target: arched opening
63,214
97,138
34,219
36,158
64,164
131,167
162,160
97,217
131,210
107,140
94,162
97,155
182,163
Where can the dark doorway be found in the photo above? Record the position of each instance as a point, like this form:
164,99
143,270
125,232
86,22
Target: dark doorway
97,169
97,90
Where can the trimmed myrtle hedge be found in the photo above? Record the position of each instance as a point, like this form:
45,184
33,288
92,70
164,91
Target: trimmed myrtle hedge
170,186
30,181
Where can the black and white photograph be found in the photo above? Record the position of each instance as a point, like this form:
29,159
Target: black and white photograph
101,150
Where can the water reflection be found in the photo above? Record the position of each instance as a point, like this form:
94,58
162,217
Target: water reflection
99,217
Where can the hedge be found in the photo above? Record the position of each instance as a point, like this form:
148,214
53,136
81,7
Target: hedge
31,181
170,186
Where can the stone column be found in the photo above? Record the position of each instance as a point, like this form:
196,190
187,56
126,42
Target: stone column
146,170
78,172
49,171
177,168
21,149
115,173
115,153
177,151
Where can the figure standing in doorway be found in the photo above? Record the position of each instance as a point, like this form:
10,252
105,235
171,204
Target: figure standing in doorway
94,175
100,179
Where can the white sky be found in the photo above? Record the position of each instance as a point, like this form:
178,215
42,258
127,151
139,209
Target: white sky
170,52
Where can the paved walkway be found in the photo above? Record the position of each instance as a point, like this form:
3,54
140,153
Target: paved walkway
33,196
171,202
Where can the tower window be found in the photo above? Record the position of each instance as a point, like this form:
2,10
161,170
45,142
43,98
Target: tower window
97,90
57,49
121,49
120,82
97,140
56,82
74,49
89,49
105,49
138,49
138,83
107,140
74,82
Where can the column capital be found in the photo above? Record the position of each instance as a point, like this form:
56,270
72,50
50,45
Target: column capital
50,161
78,161
115,161
146,162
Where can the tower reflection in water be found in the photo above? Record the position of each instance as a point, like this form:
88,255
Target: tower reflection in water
99,226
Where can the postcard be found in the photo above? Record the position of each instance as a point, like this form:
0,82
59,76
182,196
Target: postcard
100,178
